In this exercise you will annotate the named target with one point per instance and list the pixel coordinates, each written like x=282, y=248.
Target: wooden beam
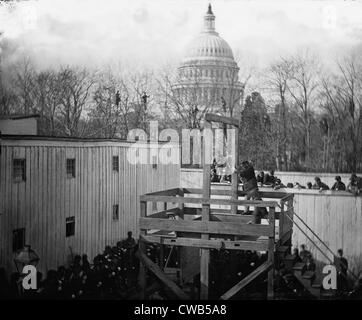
x=287, y=197
x=168, y=192
x=181, y=205
x=165, y=213
x=205, y=253
x=281, y=220
x=210, y=243
x=141, y=249
x=197, y=211
x=257, y=272
x=255, y=203
x=216, y=118
x=211, y=227
x=155, y=269
x=271, y=248
x=286, y=236
x=217, y=214
x=215, y=190
x=235, y=175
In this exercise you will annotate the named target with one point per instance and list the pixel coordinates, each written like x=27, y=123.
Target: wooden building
x=19, y=124
x=67, y=196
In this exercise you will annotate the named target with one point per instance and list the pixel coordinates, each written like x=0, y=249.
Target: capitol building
x=207, y=78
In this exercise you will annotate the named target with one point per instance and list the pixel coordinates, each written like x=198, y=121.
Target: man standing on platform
x=250, y=186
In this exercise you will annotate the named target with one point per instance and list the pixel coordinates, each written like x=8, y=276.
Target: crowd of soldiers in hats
x=112, y=275
x=248, y=177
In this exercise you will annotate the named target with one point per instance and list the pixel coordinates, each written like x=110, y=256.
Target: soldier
x=355, y=185
x=269, y=178
x=342, y=264
x=338, y=185
x=319, y=184
x=250, y=185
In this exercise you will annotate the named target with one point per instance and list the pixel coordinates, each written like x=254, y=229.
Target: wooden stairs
x=310, y=280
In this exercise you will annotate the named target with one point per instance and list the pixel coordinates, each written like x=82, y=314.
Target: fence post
x=281, y=222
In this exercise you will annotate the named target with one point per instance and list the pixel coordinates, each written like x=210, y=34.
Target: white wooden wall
x=42, y=203
x=336, y=219
x=335, y=216
x=303, y=177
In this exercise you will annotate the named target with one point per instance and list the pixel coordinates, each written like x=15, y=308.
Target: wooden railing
x=185, y=225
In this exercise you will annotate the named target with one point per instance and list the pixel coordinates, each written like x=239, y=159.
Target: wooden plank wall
x=42, y=203
x=337, y=220
x=335, y=216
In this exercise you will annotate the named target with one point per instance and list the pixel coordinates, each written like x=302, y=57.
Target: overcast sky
x=150, y=33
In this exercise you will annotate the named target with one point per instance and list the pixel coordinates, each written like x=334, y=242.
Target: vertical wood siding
x=337, y=220
x=42, y=203
x=335, y=216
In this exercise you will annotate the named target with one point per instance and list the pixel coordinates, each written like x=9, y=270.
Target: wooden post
x=162, y=254
x=290, y=205
x=181, y=205
x=281, y=222
x=271, y=253
x=205, y=253
x=142, y=249
x=235, y=176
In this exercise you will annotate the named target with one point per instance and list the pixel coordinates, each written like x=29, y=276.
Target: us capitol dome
x=208, y=73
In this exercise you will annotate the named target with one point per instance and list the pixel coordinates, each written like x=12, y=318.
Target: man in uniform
x=355, y=185
x=250, y=185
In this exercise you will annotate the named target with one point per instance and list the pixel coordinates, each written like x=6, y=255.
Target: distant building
x=19, y=124
x=208, y=74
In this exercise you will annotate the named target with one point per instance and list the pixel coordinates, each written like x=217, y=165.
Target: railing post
x=271, y=245
x=281, y=222
x=205, y=253
x=181, y=205
x=142, y=249
x=290, y=206
x=235, y=175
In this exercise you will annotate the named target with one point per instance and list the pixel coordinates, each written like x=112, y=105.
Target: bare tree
x=341, y=94
x=47, y=88
x=121, y=101
x=23, y=83
x=303, y=88
x=76, y=87
x=278, y=77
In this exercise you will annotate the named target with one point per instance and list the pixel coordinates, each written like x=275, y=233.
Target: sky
x=153, y=33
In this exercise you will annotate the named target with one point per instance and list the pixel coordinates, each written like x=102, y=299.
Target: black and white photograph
x=199, y=151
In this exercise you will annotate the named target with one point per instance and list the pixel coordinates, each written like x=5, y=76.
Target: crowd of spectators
x=220, y=174
x=112, y=275
x=288, y=284
x=354, y=186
